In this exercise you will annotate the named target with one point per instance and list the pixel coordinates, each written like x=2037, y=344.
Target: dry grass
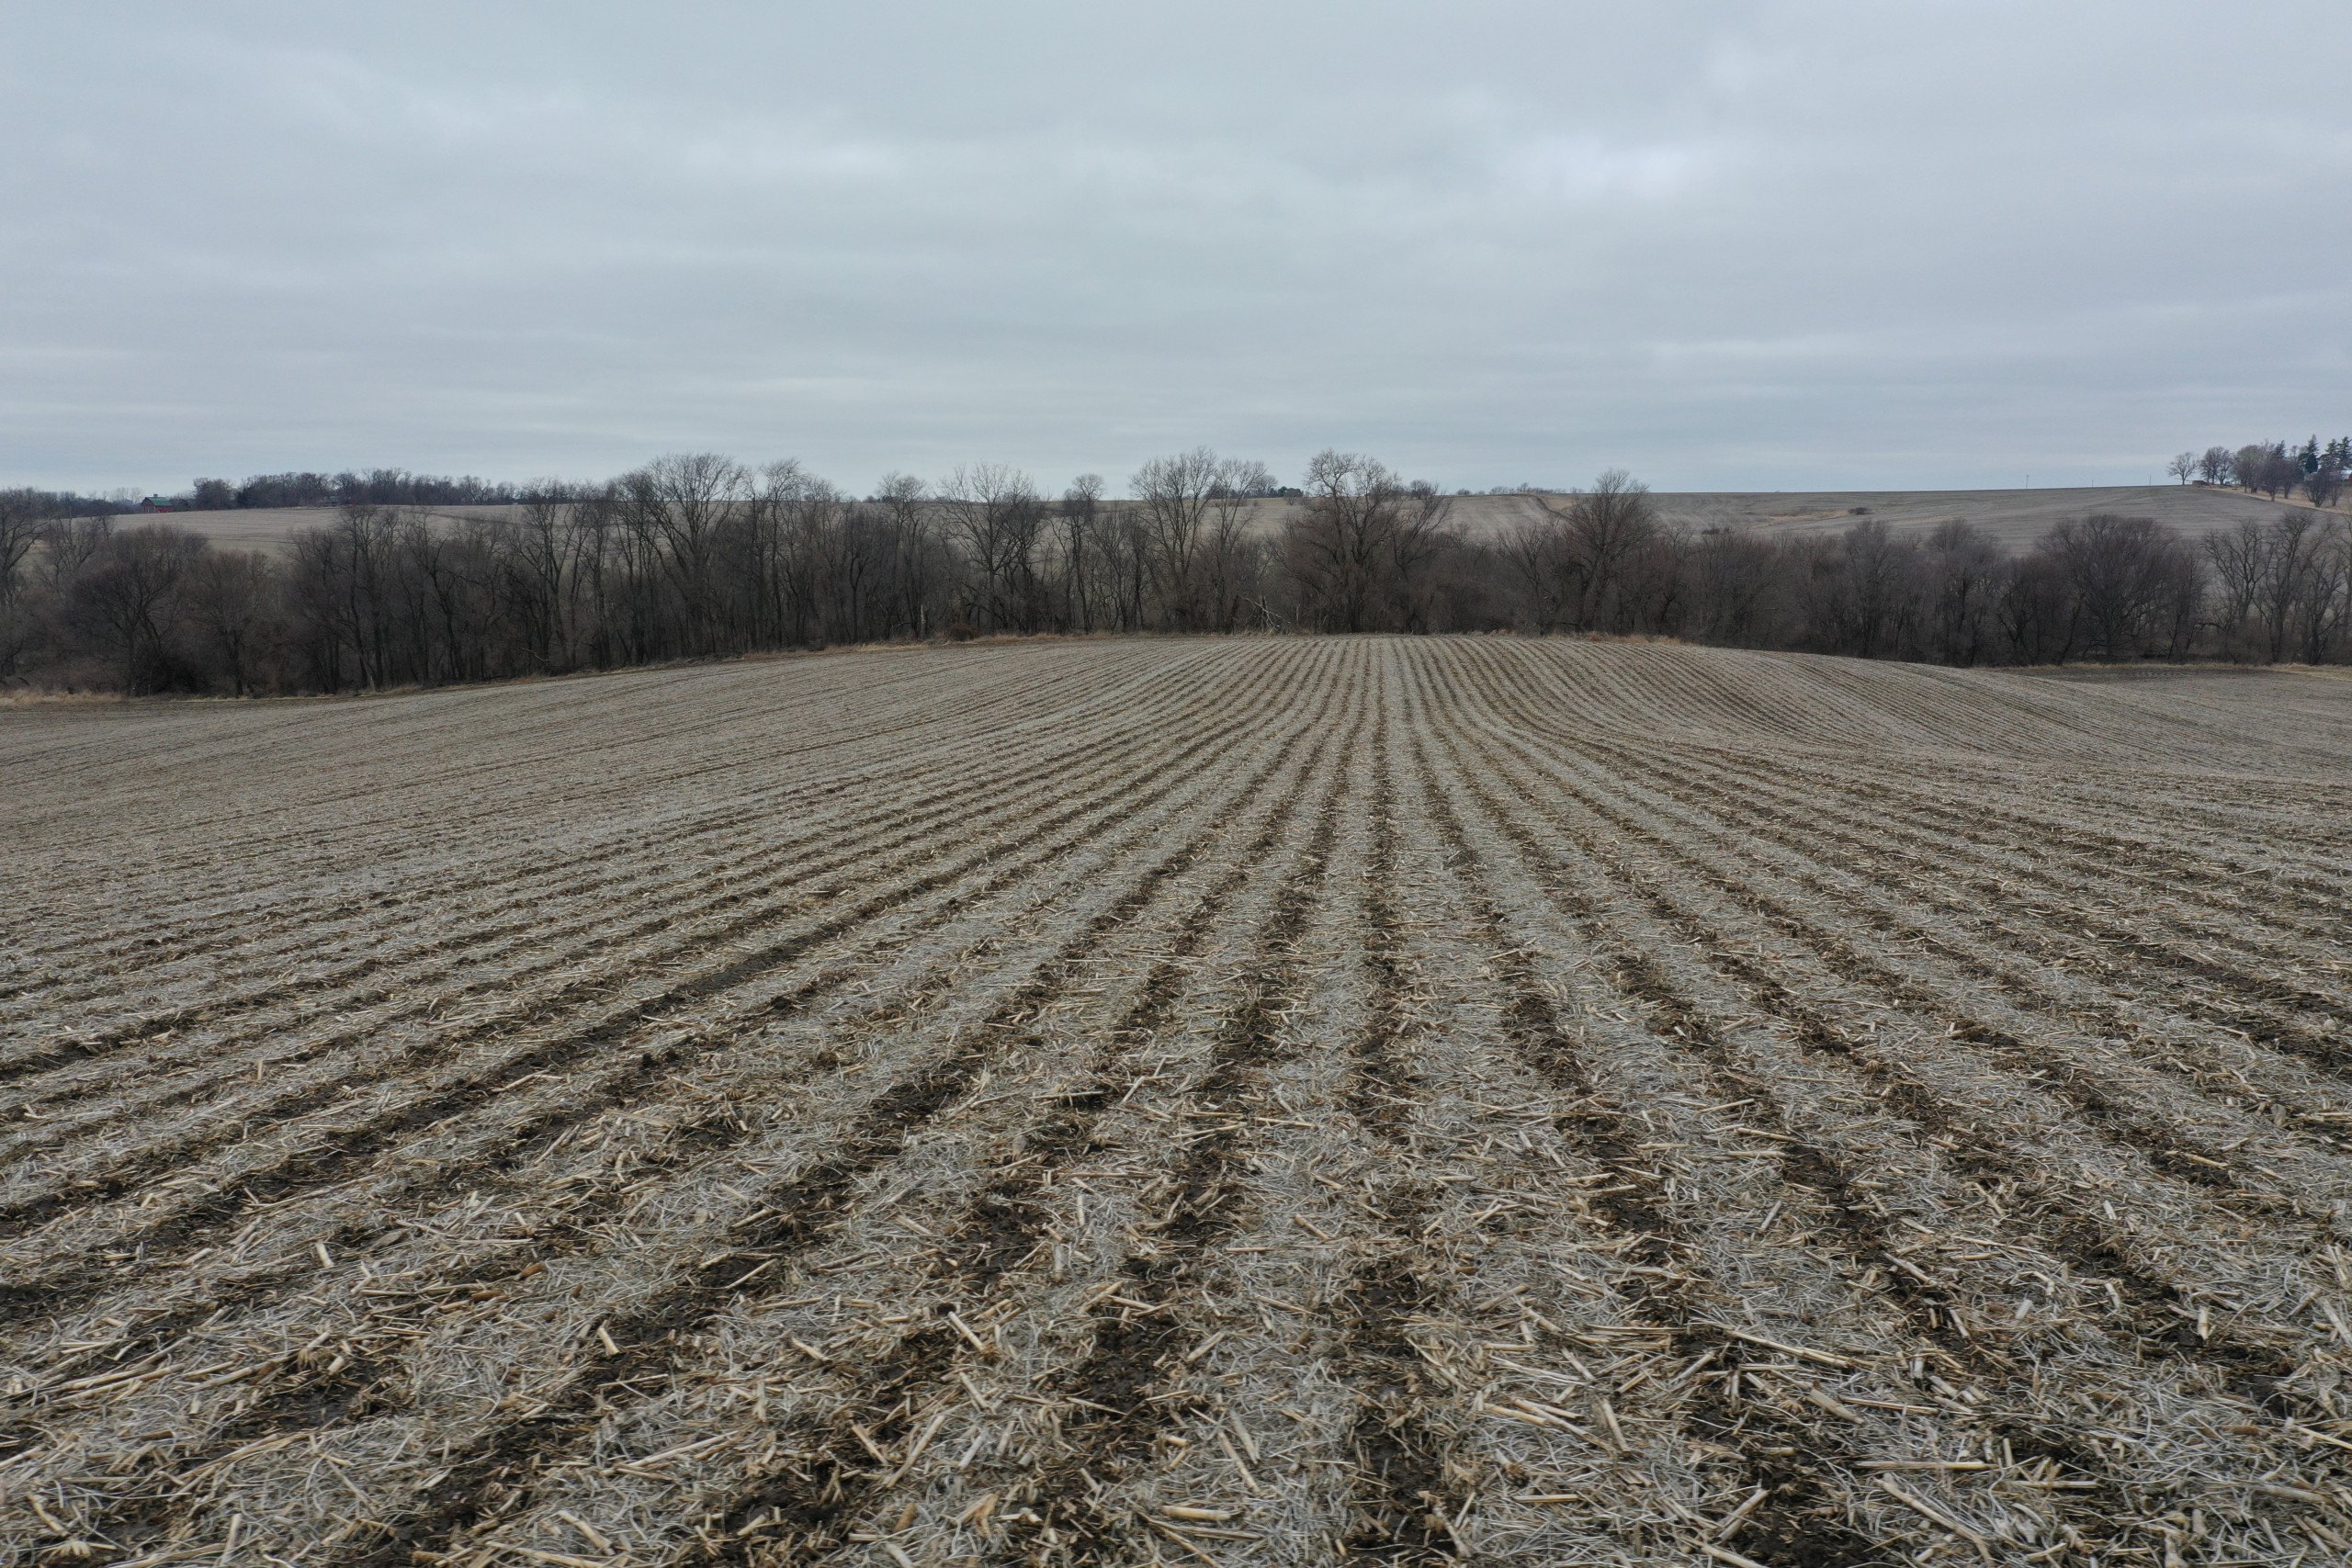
x=1247, y=1102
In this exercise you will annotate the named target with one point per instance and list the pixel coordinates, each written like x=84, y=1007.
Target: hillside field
x=1250, y=1101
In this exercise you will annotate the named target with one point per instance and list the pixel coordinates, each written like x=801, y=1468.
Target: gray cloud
x=1728, y=245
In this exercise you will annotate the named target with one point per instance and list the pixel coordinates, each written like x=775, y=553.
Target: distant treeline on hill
x=376, y=487
x=697, y=557
x=2274, y=469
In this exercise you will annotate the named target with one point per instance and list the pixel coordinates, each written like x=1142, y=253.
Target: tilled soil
x=1248, y=1101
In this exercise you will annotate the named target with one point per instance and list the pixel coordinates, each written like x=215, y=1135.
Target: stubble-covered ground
x=1251, y=1100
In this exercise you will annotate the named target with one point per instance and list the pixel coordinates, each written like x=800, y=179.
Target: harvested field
x=1244, y=1102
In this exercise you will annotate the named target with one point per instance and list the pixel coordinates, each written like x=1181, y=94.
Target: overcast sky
x=1880, y=244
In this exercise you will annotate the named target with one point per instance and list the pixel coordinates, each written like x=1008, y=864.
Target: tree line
x=2273, y=468
x=698, y=556
x=376, y=487
x=304, y=487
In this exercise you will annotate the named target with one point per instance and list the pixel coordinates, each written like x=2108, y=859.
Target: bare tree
x=783, y=543
x=1607, y=531
x=1964, y=569
x=68, y=545
x=592, y=523
x=909, y=518
x=2136, y=584
x=1738, y=582
x=2213, y=465
x=2295, y=543
x=1173, y=496
x=840, y=573
x=2280, y=475
x=677, y=506
x=699, y=556
x=1080, y=516
x=1234, y=555
x=2248, y=463
x=21, y=521
x=131, y=602
x=454, y=570
x=2183, y=467
x=860, y=597
x=21, y=530
x=343, y=594
x=233, y=601
x=1534, y=550
x=2238, y=561
x=2037, y=614
x=1124, y=551
x=544, y=553
x=995, y=514
x=1415, y=541
x=1338, y=544
x=2325, y=609
x=1879, y=586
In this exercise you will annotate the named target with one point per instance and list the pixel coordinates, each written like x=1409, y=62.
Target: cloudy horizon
x=1726, y=246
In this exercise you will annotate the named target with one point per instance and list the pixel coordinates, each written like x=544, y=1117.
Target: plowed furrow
x=1139, y=1337
x=799, y=1218
x=1806, y=1172
x=1830, y=1188
x=2057, y=984
x=1405, y=1492
x=347, y=849
x=623, y=1079
x=436, y=868
x=1801, y=1518
x=1811, y=1503
x=907, y=808
x=2236, y=855
x=1991, y=831
x=1970, y=904
x=2260, y=1362
x=1261, y=1100
x=807, y=1199
x=2188, y=1134
x=311, y=1165
x=1001, y=1253
x=1866, y=981
x=909, y=840
x=2227, y=951
x=1996, y=805
x=1853, y=954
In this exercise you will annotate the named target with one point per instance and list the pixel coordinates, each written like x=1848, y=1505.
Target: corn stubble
x=1239, y=1102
